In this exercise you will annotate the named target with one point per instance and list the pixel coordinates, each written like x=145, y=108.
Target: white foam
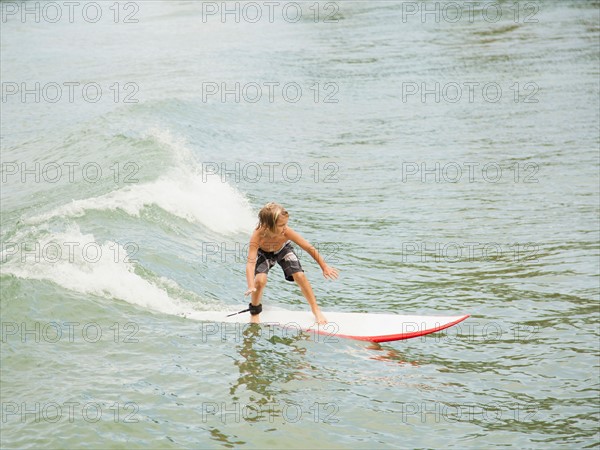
x=102, y=270
x=182, y=191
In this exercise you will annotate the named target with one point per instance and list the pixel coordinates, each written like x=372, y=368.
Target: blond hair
x=268, y=215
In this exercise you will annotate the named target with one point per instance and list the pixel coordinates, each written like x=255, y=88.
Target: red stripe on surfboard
x=397, y=337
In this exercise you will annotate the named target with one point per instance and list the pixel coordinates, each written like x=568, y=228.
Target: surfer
x=270, y=243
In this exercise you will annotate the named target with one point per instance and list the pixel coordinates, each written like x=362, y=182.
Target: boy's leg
x=260, y=281
x=292, y=269
x=302, y=281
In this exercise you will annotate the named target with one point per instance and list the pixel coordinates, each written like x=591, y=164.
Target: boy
x=270, y=244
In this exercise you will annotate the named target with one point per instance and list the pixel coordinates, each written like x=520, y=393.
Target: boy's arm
x=328, y=272
x=251, y=262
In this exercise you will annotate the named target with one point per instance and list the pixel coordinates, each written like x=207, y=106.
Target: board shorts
x=285, y=257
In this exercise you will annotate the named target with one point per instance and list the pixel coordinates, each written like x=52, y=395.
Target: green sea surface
x=444, y=164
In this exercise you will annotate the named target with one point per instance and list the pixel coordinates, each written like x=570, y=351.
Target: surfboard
x=371, y=327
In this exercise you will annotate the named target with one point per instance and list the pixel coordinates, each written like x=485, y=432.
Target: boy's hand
x=249, y=291
x=330, y=273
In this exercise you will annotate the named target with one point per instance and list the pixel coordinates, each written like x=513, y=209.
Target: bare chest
x=271, y=243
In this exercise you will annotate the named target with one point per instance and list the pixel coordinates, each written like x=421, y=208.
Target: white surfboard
x=362, y=326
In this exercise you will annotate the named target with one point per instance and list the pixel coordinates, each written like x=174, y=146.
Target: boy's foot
x=320, y=318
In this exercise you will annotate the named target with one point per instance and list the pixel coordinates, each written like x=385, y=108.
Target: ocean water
x=444, y=156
